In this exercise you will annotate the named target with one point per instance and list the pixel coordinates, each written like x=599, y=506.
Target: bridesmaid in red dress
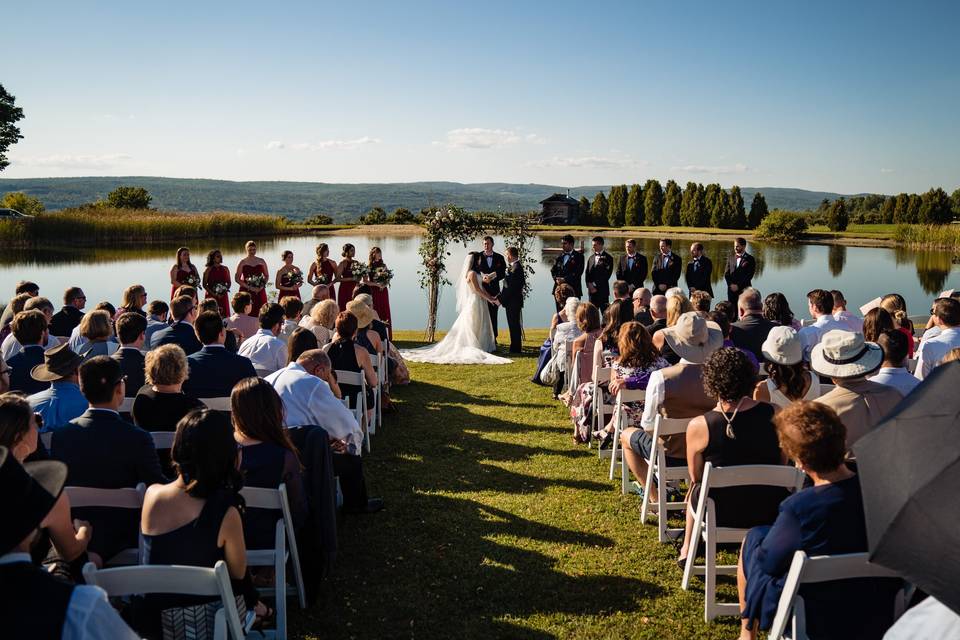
x=289, y=278
x=345, y=276
x=323, y=270
x=183, y=271
x=380, y=292
x=249, y=267
x=217, y=276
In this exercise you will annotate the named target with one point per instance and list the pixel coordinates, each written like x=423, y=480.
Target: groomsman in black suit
x=632, y=267
x=666, y=268
x=494, y=269
x=739, y=272
x=568, y=268
x=699, y=271
x=598, y=270
x=511, y=298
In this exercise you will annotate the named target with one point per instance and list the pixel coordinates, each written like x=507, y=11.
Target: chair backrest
x=217, y=404
x=602, y=374
x=826, y=388
x=355, y=378
x=631, y=395
x=768, y=475
x=807, y=323
x=163, y=439
x=125, y=498
x=47, y=439
x=670, y=426
x=126, y=406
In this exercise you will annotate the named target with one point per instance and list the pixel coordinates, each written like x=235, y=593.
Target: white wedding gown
x=470, y=339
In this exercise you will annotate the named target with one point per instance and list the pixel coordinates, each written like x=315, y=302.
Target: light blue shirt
x=59, y=404
x=896, y=377
x=933, y=350
x=154, y=324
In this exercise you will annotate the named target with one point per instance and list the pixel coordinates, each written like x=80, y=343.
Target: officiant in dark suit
x=511, y=298
x=699, y=271
x=666, y=267
x=739, y=272
x=568, y=269
x=632, y=267
x=493, y=268
x=597, y=274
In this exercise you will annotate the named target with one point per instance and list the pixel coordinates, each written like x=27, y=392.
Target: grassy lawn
x=498, y=526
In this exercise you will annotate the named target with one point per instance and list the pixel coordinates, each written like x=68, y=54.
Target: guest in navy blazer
x=130, y=331
x=214, y=370
x=181, y=332
x=30, y=329
x=104, y=451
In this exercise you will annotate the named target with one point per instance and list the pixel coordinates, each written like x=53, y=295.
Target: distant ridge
x=340, y=201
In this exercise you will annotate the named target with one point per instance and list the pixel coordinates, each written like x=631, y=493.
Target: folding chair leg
x=616, y=445
x=692, y=551
x=645, y=507
x=624, y=473
x=710, y=579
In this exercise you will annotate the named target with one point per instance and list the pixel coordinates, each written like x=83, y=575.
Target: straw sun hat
x=363, y=313
x=844, y=354
x=693, y=338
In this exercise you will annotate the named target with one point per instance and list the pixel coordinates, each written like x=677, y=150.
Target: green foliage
x=688, y=214
x=886, y=211
x=616, y=206
x=945, y=236
x=376, y=215
x=671, y=204
x=598, y=210
x=955, y=201
x=900, y=215
x=129, y=198
x=713, y=204
x=935, y=207
x=737, y=213
x=319, y=220
x=837, y=218
x=652, y=203
x=402, y=215
x=23, y=203
x=10, y=114
x=913, y=209
x=782, y=226
x=758, y=211
x=633, y=216
x=585, y=216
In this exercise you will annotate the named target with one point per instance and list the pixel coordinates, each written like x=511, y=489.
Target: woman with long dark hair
x=777, y=309
x=379, y=289
x=216, y=281
x=323, y=270
x=183, y=272
x=345, y=276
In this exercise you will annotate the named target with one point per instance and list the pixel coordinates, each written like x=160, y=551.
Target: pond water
x=861, y=273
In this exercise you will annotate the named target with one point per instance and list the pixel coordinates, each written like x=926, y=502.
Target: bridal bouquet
x=293, y=279
x=255, y=280
x=193, y=280
x=382, y=276
x=322, y=279
x=219, y=288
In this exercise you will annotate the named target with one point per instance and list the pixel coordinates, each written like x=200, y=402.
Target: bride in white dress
x=470, y=339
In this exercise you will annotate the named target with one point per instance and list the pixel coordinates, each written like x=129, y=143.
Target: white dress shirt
x=11, y=346
x=853, y=322
x=929, y=619
x=896, y=377
x=932, y=351
x=289, y=326
x=308, y=400
x=267, y=352
x=811, y=336
x=653, y=400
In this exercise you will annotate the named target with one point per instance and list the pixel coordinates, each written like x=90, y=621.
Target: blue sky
x=844, y=97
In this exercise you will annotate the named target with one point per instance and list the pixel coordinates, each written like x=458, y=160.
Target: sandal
x=266, y=619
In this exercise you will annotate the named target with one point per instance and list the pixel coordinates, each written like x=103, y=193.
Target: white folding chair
x=47, y=439
x=826, y=388
x=357, y=379
x=619, y=419
x=705, y=526
x=659, y=472
x=193, y=581
x=600, y=409
x=807, y=570
x=217, y=404
x=573, y=375
x=125, y=498
x=374, y=422
x=126, y=406
x=807, y=323
x=910, y=364
x=163, y=440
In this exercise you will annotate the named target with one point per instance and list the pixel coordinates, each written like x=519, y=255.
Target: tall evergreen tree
x=617, y=206
x=652, y=203
x=900, y=215
x=633, y=216
x=688, y=205
x=837, y=218
x=598, y=210
x=913, y=209
x=886, y=210
x=935, y=207
x=703, y=217
x=585, y=216
x=758, y=210
x=671, y=204
x=955, y=199
x=713, y=205
x=824, y=206
x=738, y=215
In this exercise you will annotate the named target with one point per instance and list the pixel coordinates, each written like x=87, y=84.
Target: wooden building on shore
x=560, y=209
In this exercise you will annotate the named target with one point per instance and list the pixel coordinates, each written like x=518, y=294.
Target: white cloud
x=887, y=170
x=323, y=145
x=591, y=162
x=713, y=169
x=68, y=161
x=480, y=138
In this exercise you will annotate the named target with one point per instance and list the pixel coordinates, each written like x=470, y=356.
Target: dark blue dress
x=821, y=520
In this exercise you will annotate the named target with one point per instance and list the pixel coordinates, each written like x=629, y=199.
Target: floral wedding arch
x=443, y=225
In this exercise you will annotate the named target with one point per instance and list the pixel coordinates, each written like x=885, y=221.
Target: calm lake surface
x=861, y=273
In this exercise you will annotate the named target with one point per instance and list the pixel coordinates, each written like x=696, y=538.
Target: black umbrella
x=910, y=473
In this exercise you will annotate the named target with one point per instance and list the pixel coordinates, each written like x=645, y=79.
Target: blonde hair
x=325, y=313
x=131, y=296
x=677, y=306
x=96, y=325
x=166, y=364
x=249, y=243
x=952, y=355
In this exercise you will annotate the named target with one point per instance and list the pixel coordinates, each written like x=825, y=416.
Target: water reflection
x=836, y=258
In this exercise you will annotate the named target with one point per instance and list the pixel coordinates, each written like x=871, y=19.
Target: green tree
x=913, y=209
x=671, y=204
x=713, y=205
x=617, y=206
x=401, y=215
x=738, y=215
x=935, y=207
x=900, y=215
x=319, y=220
x=837, y=217
x=376, y=215
x=598, y=210
x=703, y=218
x=633, y=216
x=824, y=206
x=652, y=203
x=688, y=214
x=23, y=203
x=129, y=198
x=758, y=210
x=10, y=114
x=886, y=210
x=955, y=199
x=585, y=216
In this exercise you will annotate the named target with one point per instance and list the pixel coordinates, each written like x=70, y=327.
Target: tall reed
x=946, y=236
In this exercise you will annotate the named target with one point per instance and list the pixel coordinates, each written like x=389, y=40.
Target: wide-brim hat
x=363, y=313
x=782, y=346
x=58, y=363
x=693, y=338
x=27, y=494
x=844, y=354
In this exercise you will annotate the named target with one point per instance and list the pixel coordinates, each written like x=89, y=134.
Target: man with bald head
x=321, y=292
x=658, y=311
x=641, y=306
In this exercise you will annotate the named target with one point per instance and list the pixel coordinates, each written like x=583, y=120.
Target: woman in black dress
x=346, y=355
x=160, y=404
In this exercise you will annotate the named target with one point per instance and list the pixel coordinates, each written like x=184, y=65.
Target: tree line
x=932, y=207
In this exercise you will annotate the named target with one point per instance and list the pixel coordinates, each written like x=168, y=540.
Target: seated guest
x=788, y=379
x=161, y=403
x=896, y=306
x=726, y=308
x=621, y=290
x=11, y=346
x=266, y=351
x=840, y=313
x=130, y=331
x=777, y=310
x=301, y=340
x=641, y=306
x=945, y=317
x=848, y=360
x=292, y=310
x=658, y=311
x=307, y=400
x=726, y=329
x=700, y=301
x=195, y=520
x=78, y=339
x=321, y=319
x=563, y=336
x=321, y=292
x=134, y=297
x=65, y=320
x=567, y=292
x=677, y=305
x=366, y=336
x=30, y=329
x=230, y=342
x=62, y=401
x=588, y=321
x=750, y=331
x=241, y=320
x=346, y=355
x=104, y=451
x=824, y=519
x=190, y=292
x=738, y=431
x=13, y=308
x=820, y=305
x=892, y=372
x=25, y=289
x=181, y=332
x=213, y=371
x=377, y=325
x=269, y=458
x=96, y=328
x=876, y=322
x=157, y=312
x=29, y=496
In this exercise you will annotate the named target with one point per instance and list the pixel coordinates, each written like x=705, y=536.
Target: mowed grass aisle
x=497, y=526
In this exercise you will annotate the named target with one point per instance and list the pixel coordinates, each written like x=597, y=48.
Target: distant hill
x=340, y=201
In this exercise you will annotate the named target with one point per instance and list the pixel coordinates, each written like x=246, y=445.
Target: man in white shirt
x=11, y=346
x=946, y=317
x=266, y=351
x=892, y=372
x=851, y=321
x=820, y=305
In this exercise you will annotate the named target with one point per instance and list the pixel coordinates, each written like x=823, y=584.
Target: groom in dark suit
x=493, y=268
x=511, y=298
x=739, y=272
x=597, y=273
